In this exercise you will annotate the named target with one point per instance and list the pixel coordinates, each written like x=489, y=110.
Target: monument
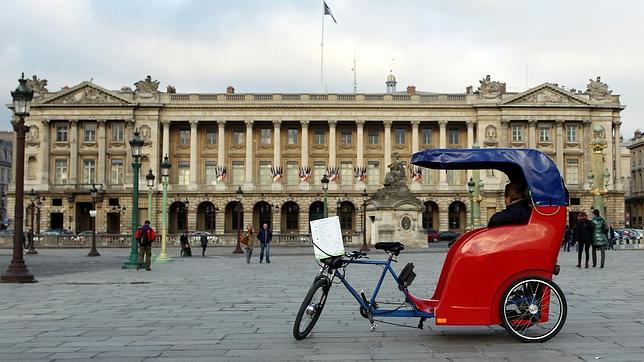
x=396, y=212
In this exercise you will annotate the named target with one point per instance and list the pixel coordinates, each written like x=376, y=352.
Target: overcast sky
x=274, y=46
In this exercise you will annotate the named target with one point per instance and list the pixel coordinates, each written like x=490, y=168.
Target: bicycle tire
x=311, y=308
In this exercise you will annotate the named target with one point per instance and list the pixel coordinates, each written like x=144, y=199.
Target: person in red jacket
x=145, y=236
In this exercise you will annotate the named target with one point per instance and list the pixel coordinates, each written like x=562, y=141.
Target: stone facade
x=6, y=157
x=635, y=194
x=276, y=147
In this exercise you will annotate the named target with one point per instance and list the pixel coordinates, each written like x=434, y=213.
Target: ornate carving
x=490, y=89
x=598, y=89
x=546, y=96
x=332, y=123
x=277, y=123
x=395, y=190
x=126, y=89
x=32, y=135
x=304, y=123
x=532, y=123
x=147, y=85
x=387, y=123
x=559, y=123
x=490, y=132
x=88, y=95
x=221, y=123
x=360, y=122
x=171, y=89
x=248, y=122
x=39, y=86
x=145, y=133
x=442, y=123
x=415, y=123
x=470, y=123
x=194, y=123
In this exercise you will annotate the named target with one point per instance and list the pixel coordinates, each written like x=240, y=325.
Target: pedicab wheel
x=311, y=308
x=533, y=309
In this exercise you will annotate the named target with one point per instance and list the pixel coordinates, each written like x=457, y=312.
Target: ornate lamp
x=150, y=179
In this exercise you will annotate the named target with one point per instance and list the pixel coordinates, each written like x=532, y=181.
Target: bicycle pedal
x=373, y=327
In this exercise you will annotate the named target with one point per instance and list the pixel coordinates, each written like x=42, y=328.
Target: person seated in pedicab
x=185, y=245
x=517, y=207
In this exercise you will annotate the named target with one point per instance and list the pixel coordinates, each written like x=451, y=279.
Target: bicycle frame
x=376, y=312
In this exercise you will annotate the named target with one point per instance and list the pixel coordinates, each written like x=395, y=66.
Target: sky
x=274, y=46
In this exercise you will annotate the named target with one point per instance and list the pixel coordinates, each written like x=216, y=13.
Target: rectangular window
x=265, y=176
x=118, y=131
x=319, y=169
x=292, y=176
x=400, y=136
x=211, y=172
x=265, y=136
x=211, y=136
x=116, y=172
x=373, y=135
x=291, y=136
x=544, y=133
x=90, y=133
x=452, y=136
x=454, y=177
x=426, y=134
x=571, y=133
x=238, y=173
x=184, y=136
x=427, y=176
x=61, y=172
x=346, y=137
x=89, y=171
x=373, y=173
x=238, y=137
x=346, y=173
x=319, y=136
x=517, y=133
x=61, y=133
x=184, y=173
x=572, y=171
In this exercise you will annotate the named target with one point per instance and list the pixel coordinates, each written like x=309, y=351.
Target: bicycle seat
x=393, y=247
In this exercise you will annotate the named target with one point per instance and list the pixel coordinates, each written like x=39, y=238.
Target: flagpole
x=322, y=49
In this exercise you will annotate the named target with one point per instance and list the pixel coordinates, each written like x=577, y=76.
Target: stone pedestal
x=402, y=223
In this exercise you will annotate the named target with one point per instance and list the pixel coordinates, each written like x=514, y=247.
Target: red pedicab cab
x=503, y=275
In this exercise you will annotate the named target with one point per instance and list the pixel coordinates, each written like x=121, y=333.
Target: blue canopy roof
x=525, y=166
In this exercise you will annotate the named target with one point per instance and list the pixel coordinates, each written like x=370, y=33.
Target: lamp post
x=365, y=197
x=470, y=189
x=239, y=194
x=165, y=175
x=33, y=197
x=149, y=178
x=17, y=272
x=135, y=143
x=94, y=192
x=186, y=207
x=325, y=187
x=38, y=206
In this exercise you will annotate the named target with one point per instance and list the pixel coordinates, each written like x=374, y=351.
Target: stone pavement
x=219, y=308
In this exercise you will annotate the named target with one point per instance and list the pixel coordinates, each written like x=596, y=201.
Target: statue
x=395, y=190
x=39, y=86
x=147, y=85
x=598, y=89
x=171, y=89
x=490, y=89
x=396, y=176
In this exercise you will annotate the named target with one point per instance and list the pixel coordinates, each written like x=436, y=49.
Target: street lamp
x=165, y=175
x=33, y=197
x=325, y=187
x=149, y=178
x=365, y=197
x=136, y=143
x=212, y=212
x=470, y=189
x=17, y=272
x=239, y=194
x=94, y=192
x=186, y=205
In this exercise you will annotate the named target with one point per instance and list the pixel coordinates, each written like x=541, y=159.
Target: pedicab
x=491, y=276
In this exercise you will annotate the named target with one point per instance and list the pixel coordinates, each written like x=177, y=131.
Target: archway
x=290, y=217
x=457, y=215
x=316, y=211
x=430, y=215
x=231, y=221
x=178, y=218
x=262, y=214
x=347, y=213
x=206, y=213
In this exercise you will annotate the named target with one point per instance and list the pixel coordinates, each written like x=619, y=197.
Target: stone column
x=532, y=133
x=194, y=157
x=248, y=185
x=442, y=143
x=128, y=172
x=332, y=123
x=559, y=124
x=305, y=152
x=415, y=185
x=617, y=123
x=359, y=150
x=277, y=150
x=387, y=143
x=102, y=152
x=44, y=154
x=470, y=143
x=503, y=133
x=166, y=139
x=73, y=152
x=221, y=160
x=585, y=140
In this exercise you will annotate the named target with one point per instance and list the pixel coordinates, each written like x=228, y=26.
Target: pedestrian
x=600, y=241
x=248, y=240
x=611, y=237
x=185, y=245
x=145, y=236
x=567, y=238
x=582, y=234
x=204, y=244
x=265, y=236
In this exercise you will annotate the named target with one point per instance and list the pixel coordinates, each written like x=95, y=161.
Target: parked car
x=448, y=235
x=635, y=235
x=83, y=236
x=195, y=237
x=433, y=236
x=56, y=232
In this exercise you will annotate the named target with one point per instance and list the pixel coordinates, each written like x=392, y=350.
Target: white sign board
x=92, y=213
x=327, y=237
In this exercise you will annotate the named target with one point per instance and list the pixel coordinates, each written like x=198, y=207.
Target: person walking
x=145, y=236
x=248, y=240
x=265, y=236
x=600, y=241
x=582, y=234
x=204, y=244
x=567, y=238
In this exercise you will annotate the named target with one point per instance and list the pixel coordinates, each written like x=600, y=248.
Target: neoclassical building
x=635, y=196
x=277, y=147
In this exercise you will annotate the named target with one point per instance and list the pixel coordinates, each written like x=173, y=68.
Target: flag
x=327, y=11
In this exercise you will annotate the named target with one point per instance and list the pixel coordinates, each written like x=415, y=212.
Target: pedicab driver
x=517, y=207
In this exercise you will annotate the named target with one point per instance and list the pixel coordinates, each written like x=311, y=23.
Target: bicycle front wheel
x=311, y=308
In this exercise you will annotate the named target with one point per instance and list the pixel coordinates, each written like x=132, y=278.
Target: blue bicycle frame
x=375, y=312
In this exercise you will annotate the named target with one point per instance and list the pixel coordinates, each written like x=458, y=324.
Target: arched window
x=430, y=215
x=32, y=164
x=346, y=213
x=457, y=215
x=291, y=217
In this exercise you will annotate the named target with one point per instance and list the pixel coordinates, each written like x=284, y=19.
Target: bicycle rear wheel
x=311, y=308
